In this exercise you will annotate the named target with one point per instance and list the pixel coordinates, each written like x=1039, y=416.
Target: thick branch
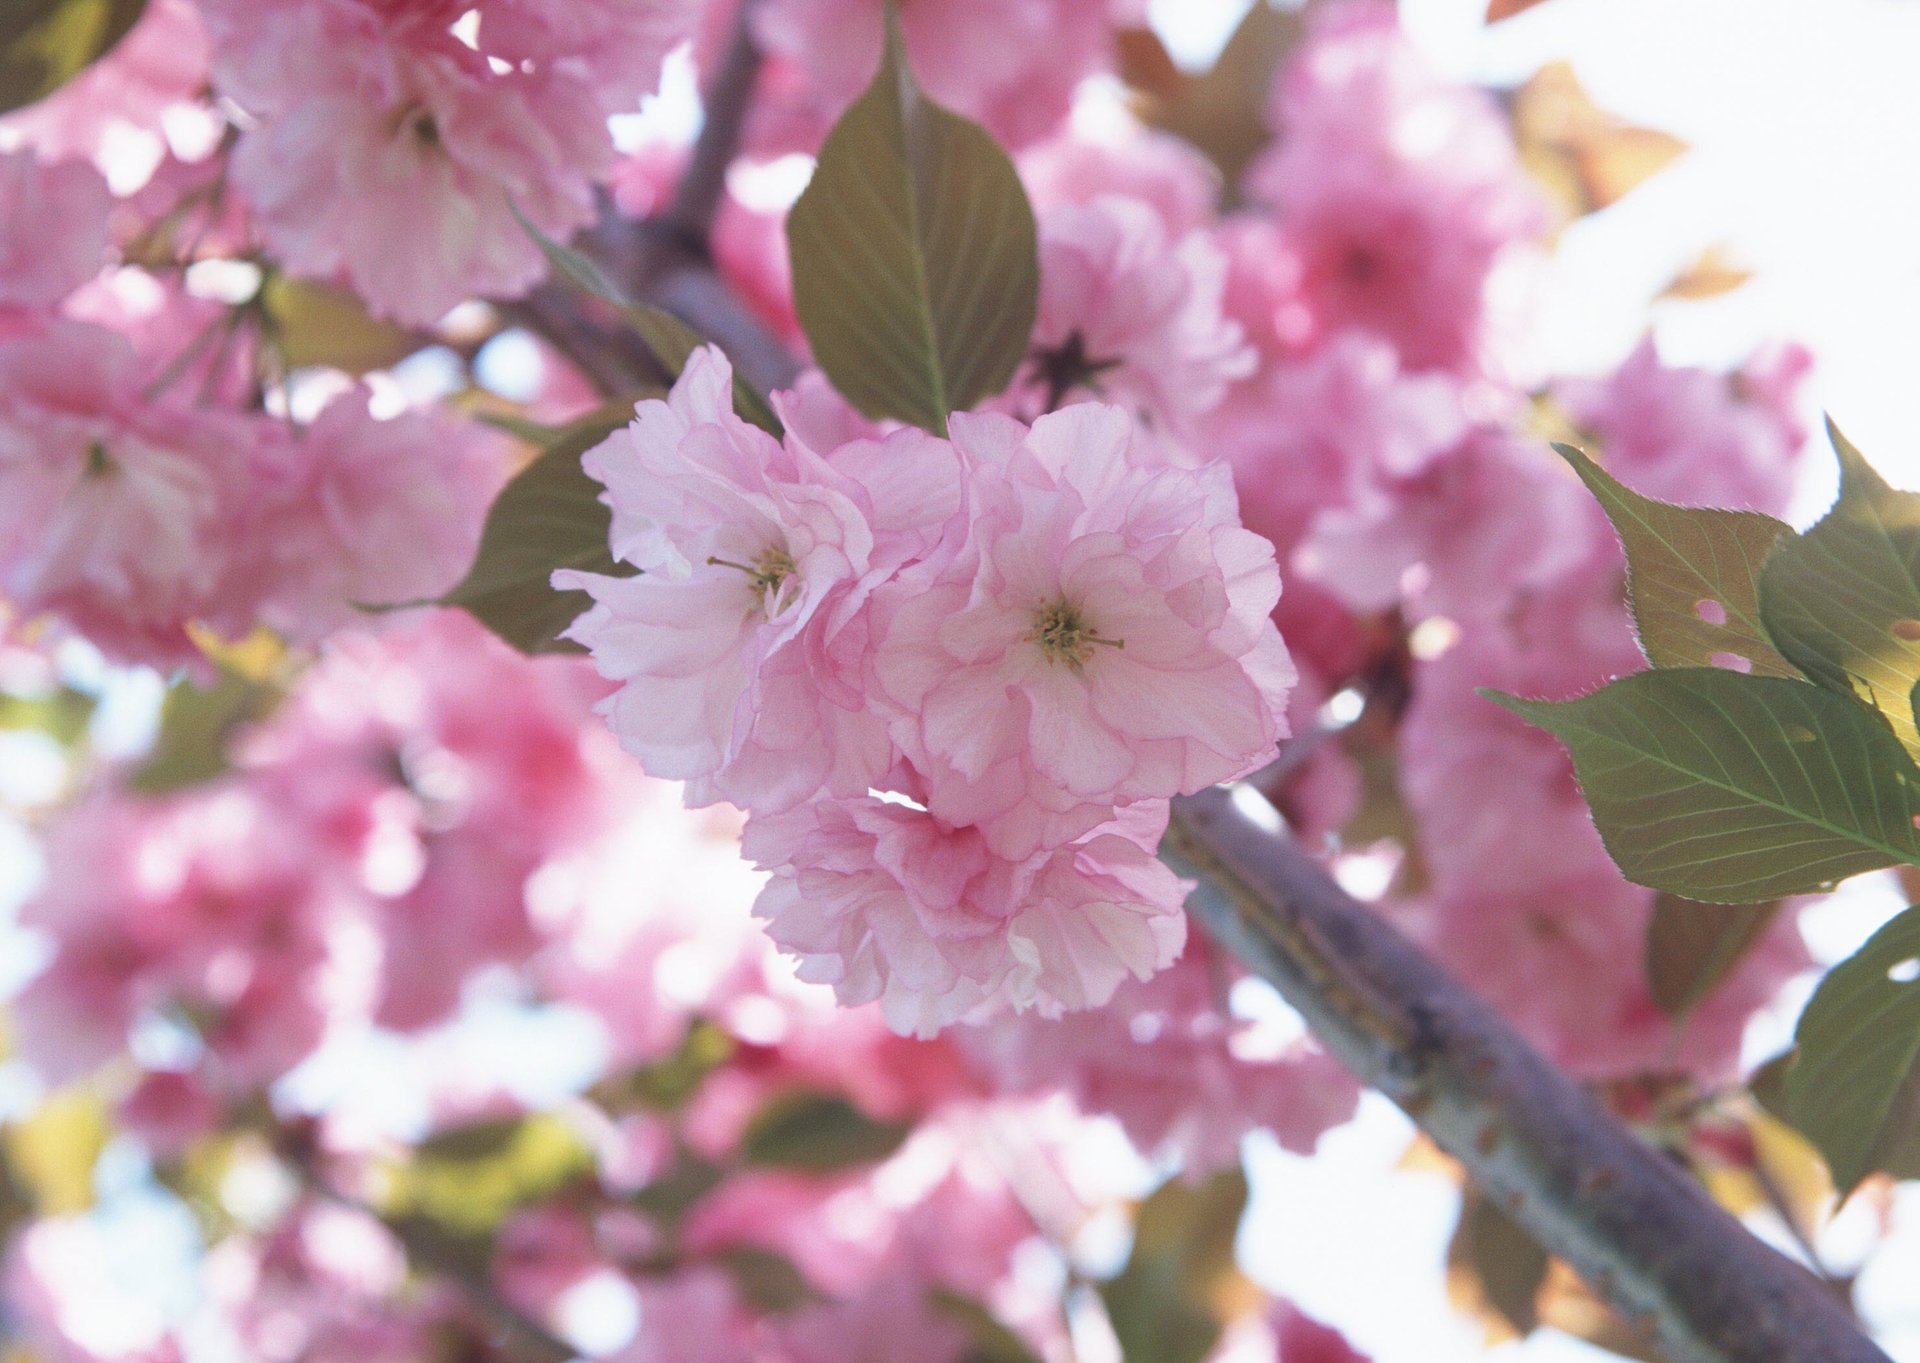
x=1630, y=1221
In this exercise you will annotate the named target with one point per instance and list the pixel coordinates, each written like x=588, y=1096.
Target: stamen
x=1064, y=636
x=769, y=574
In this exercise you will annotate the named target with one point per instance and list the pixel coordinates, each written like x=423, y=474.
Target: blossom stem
x=1630, y=1221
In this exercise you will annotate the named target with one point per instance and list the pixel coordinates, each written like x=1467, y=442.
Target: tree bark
x=1635, y=1226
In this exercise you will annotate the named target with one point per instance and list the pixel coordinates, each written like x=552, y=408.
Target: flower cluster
x=953, y=682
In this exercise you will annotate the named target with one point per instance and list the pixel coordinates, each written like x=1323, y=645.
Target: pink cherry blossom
x=1693, y=436
x=393, y=154
x=886, y=902
x=119, y=515
x=1131, y=314
x=1099, y=637
x=739, y=645
x=371, y=511
x=1398, y=194
x=56, y=238
x=1131, y=161
x=1180, y=1073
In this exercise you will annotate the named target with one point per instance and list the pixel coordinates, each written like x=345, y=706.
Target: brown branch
x=1632, y=1224
x=724, y=104
x=1629, y=1220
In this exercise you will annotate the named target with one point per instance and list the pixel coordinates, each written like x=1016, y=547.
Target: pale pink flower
x=739, y=645
x=1398, y=193
x=393, y=154
x=1132, y=314
x=1166, y=172
x=118, y=515
x=1180, y=1073
x=371, y=511
x=1495, y=515
x=1694, y=436
x=886, y=902
x=1099, y=637
x=56, y=236
x=1328, y=430
x=210, y=907
x=441, y=770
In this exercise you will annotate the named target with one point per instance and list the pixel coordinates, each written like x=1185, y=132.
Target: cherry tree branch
x=1631, y=1222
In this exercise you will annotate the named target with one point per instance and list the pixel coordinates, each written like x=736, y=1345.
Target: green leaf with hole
x=46, y=43
x=1843, y=600
x=1691, y=947
x=820, y=1133
x=1180, y=1285
x=915, y=268
x=1735, y=789
x=670, y=339
x=1693, y=574
x=549, y=516
x=1853, y=1085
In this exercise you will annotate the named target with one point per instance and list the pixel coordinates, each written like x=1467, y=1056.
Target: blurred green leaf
x=196, y=724
x=769, y=1282
x=1682, y=560
x=668, y=1083
x=818, y=1132
x=1843, y=600
x=548, y=516
x=471, y=1178
x=46, y=43
x=62, y=714
x=1495, y=1269
x=1223, y=112
x=319, y=324
x=1735, y=789
x=1692, y=947
x=1180, y=1286
x=1853, y=1086
x=915, y=266
x=989, y=1340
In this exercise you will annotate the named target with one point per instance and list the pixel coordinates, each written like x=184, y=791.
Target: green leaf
x=818, y=1132
x=471, y=1178
x=62, y=714
x=1693, y=574
x=989, y=1340
x=1735, y=789
x=1854, y=1084
x=770, y=1283
x=1180, y=1285
x=196, y=724
x=46, y=43
x=1692, y=947
x=549, y=516
x=1843, y=600
x=915, y=268
x=1224, y=113
x=670, y=339
x=319, y=324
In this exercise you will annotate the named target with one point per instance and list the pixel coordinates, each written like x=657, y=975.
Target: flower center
x=1064, y=635
x=768, y=574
